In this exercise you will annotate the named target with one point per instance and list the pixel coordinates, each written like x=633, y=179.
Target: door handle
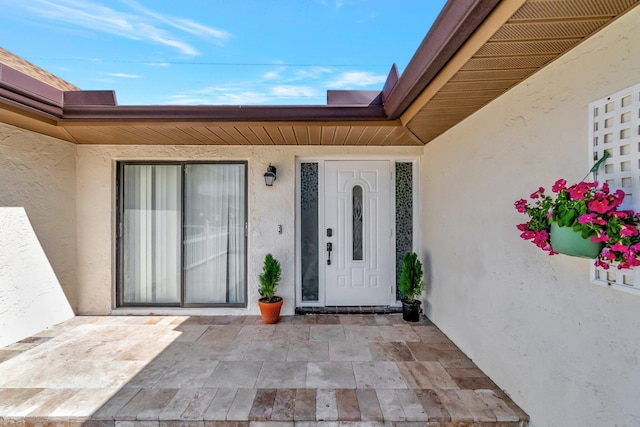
x=329, y=249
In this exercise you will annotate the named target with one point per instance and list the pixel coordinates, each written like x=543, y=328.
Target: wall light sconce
x=270, y=175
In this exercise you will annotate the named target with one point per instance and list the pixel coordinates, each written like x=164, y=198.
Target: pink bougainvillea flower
x=600, y=206
x=559, y=185
x=617, y=198
x=528, y=235
x=602, y=237
x=537, y=193
x=628, y=231
x=608, y=254
x=619, y=247
x=523, y=227
x=587, y=218
x=521, y=205
x=602, y=264
x=541, y=239
x=578, y=191
x=619, y=214
x=591, y=219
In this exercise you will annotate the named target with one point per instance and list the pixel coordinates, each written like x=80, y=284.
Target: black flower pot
x=411, y=311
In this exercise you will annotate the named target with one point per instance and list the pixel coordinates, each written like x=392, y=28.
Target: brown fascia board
x=453, y=26
x=354, y=97
x=89, y=97
x=364, y=97
x=390, y=83
x=21, y=90
x=251, y=113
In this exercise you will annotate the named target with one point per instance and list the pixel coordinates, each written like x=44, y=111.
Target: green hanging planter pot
x=566, y=241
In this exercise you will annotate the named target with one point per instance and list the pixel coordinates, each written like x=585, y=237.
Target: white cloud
x=187, y=100
x=206, y=97
x=357, y=78
x=312, y=72
x=271, y=75
x=124, y=75
x=146, y=26
x=242, y=98
x=292, y=74
x=186, y=25
x=294, y=92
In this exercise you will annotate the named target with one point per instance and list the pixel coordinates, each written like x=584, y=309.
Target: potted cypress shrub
x=270, y=304
x=410, y=286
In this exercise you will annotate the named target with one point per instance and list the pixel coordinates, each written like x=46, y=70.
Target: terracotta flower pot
x=270, y=310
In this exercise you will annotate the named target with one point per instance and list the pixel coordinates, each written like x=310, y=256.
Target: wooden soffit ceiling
x=516, y=40
x=242, y=133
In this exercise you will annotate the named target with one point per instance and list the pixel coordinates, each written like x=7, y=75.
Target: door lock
x=329, y=249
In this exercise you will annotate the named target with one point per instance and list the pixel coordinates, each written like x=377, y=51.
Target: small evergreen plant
x=271, y=273
x=410, y=283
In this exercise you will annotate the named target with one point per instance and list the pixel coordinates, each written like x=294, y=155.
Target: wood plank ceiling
x=535, y=35
x=268, y=133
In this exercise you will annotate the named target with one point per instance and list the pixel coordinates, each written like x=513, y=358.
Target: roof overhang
x=475, y=51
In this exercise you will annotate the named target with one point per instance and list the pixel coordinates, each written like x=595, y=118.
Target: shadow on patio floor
x=323, y=370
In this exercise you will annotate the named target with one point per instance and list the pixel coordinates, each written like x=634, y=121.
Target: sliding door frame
x=120, y=166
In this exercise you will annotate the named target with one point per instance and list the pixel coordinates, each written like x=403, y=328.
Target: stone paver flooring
x=233, y=371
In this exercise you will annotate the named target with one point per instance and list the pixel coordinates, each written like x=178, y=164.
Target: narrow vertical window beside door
x=357, y=222
x=309, y=231
x=404, y=214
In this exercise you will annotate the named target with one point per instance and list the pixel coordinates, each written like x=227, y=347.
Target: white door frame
x=322, y=239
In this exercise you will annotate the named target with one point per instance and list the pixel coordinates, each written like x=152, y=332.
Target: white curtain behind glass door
x=214, y=230
x=151, y=233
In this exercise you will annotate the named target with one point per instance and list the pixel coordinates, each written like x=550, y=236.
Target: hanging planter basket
x=566, y=241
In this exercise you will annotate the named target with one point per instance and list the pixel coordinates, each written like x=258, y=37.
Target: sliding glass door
x=182, y=238
x=214, y=230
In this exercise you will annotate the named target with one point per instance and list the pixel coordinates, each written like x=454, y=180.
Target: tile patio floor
x=233, y=371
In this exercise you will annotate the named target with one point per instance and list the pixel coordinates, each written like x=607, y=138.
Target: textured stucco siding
x=37, y=232
x=268, y=207
x=566, y=350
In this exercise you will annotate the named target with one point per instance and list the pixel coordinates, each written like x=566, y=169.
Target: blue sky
x=218, y=52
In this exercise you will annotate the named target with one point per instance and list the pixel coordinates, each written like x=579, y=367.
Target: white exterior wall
x=37, y=233
x=567, y=351
x=267, y=207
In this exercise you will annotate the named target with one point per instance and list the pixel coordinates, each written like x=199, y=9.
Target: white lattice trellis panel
x=614, y=123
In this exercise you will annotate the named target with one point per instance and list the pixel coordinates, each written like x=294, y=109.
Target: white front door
x=358, y=206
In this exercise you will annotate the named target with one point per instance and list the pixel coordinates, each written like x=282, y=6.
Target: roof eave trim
x=451, y=29
x=321, y=113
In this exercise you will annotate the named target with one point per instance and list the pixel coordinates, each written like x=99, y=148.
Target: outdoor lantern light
x=270, y=175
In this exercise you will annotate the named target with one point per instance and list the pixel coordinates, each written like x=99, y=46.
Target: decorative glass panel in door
x=309, y=231
x=404, y=215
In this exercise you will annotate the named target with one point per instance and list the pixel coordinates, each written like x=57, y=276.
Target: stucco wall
x=566, y=350
x=37, y=232
x=268, y=207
